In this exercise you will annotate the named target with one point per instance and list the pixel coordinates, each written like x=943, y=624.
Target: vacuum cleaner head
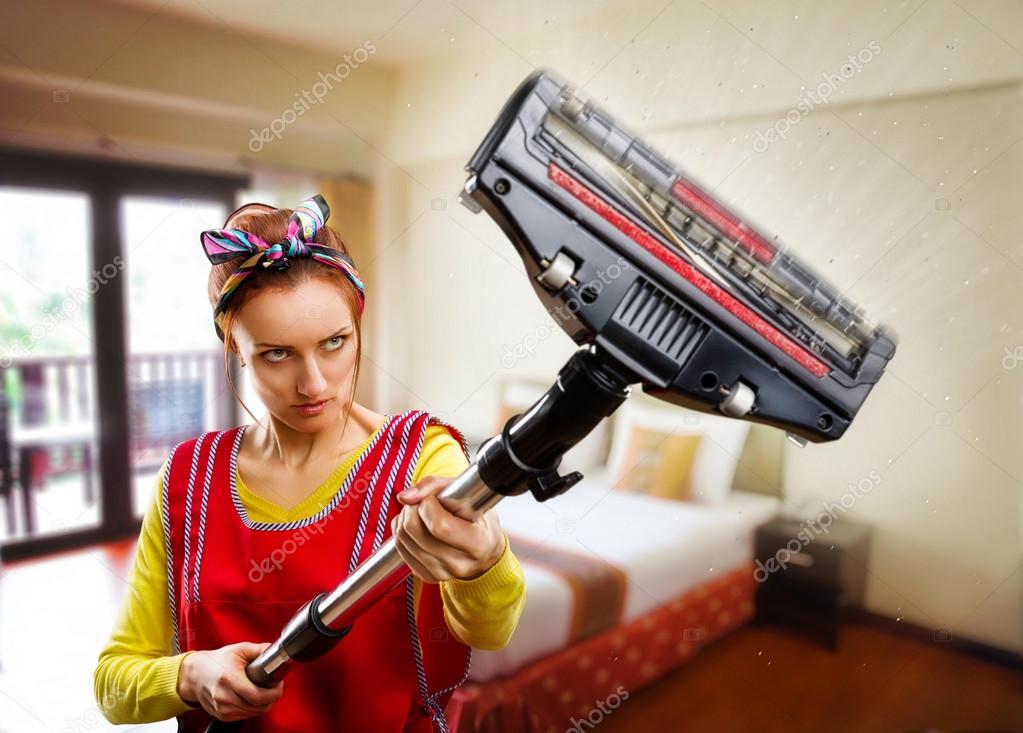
x=629, y=253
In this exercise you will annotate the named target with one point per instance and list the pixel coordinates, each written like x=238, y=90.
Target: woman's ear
x=232, y=347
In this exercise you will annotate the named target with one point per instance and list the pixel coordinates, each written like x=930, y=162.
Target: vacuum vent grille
x=660, y=320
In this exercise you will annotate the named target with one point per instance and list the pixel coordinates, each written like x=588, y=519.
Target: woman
x=248, y=524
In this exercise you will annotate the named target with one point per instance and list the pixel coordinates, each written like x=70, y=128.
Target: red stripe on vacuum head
x=704, y=207
x=641, y=237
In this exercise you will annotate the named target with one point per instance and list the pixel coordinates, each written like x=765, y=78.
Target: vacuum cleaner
x=661, y=285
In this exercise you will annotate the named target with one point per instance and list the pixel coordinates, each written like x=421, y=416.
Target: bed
x=622, y=587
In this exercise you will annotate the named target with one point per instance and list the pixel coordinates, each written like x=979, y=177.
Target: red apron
x=232, y=580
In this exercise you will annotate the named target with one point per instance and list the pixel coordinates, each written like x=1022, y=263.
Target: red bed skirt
x=576, y=687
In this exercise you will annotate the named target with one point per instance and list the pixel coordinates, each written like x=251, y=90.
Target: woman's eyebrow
x=339, y=332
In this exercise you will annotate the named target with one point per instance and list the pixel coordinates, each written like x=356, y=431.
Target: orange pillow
x=658, y=463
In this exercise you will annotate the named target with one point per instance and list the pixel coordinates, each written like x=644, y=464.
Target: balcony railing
x=49, y=420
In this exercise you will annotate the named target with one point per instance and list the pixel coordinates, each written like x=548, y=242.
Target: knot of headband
x=223, y=245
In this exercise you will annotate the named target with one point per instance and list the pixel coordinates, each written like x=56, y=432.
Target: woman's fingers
x=255, y=696
x=437, y=521
x=414, y=523
x=438, y=544
x=411, y=559
x=226, y=704
x=447, y=527
x=252, y=694
x=426, y=486
x=439, y=561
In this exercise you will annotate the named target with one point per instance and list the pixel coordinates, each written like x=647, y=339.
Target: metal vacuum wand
x=524, y=457
x=330, y=615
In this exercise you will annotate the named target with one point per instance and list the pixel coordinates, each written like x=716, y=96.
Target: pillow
x=659, y=464
x=715, y=459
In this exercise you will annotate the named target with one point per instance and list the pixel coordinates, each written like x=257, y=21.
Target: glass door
x=47, y=345
x=108, y=356
x=177, y=384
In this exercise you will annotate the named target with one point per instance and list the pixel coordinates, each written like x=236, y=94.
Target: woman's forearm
x=483, y=612
x=131, y=688
x=135, y=680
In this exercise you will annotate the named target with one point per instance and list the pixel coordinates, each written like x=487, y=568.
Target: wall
x=899, y=190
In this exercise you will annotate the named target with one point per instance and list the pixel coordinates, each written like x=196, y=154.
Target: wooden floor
x=55, y=615
x=763, y=679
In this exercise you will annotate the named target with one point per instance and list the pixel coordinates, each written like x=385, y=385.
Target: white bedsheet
x=664, y=547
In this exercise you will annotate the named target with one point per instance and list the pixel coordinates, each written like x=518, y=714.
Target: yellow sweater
x=135, y=680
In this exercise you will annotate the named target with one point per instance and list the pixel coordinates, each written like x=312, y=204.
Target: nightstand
x=809, y=574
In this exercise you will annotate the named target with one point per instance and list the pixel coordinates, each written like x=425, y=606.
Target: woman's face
x=299, y=346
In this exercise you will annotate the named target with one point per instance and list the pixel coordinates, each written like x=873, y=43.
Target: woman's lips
x=314, y=409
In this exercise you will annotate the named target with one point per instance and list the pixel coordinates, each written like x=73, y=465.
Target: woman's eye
x=278, y=355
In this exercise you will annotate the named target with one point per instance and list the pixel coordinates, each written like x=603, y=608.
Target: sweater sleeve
x=136, y=678
x=482, y=612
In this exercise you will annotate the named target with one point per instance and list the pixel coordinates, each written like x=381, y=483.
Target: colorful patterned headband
x=223, y=245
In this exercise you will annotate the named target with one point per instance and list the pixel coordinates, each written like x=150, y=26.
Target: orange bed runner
x=582, y=683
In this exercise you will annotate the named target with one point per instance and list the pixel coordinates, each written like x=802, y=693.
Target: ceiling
x=413, y=29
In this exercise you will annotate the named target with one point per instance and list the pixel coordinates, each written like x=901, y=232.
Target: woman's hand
x=439, y=545
x=216, y=680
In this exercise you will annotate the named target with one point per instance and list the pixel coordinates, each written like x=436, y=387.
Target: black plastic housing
x=682, y=346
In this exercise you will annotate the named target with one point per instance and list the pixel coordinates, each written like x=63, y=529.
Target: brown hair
x=271, y=225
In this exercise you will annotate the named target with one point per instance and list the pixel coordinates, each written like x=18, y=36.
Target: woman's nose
x=311, y=383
